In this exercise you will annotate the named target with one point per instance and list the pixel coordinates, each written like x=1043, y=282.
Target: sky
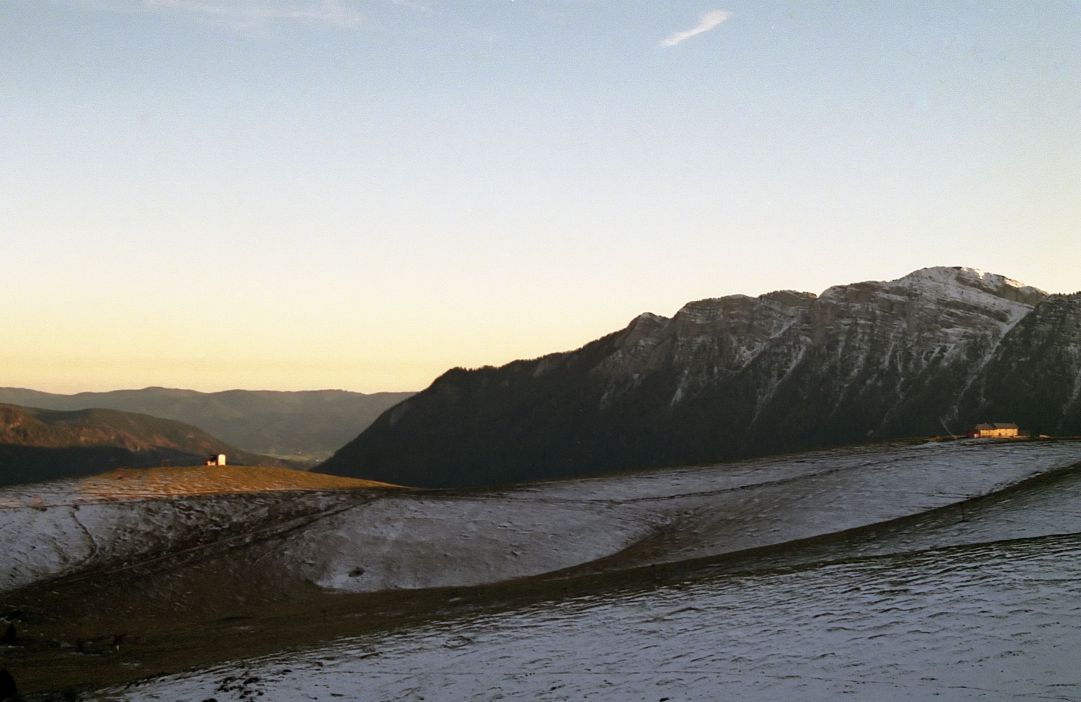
x=303, y=194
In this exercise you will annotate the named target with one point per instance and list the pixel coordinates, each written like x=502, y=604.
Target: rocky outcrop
x=930, y=353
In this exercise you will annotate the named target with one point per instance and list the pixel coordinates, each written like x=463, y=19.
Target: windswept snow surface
x=983, y=604
x=365, y=541
x=984, y=623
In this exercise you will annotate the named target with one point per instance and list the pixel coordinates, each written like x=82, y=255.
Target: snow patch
x=432, y=542
x=364, y=541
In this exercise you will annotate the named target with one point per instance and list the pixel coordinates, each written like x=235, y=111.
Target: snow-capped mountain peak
x=954, y=281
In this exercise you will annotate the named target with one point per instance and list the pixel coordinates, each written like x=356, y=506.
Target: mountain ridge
x=307, y=425
x=740, y=376
x=39, y=444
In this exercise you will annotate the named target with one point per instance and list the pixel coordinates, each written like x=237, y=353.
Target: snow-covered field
x=364, y=541
x=810, y=616
x=67, y=526
x=988, y=622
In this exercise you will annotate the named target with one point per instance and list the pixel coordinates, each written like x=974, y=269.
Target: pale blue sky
x=297, y=194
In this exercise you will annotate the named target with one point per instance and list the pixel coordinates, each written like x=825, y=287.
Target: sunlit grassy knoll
x=208, y=480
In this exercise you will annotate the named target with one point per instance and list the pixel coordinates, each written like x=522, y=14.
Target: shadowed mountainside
x=303, y=425
x=930, y=353
x=38, y=444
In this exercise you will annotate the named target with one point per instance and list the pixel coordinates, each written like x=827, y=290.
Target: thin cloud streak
x=710, y=20
x=414, y=5
x=249, y=14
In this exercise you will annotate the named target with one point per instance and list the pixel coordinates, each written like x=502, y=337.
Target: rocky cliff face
x=930, y=353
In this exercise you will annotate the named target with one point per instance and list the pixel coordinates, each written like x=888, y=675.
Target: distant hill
x=933, y=352
x=37, y=444
x=307, y=425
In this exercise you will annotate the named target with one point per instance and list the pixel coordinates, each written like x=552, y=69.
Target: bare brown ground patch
x=148, y=483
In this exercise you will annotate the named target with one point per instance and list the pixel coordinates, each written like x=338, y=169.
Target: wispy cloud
x=708, y=21
x=257, y=14
x=415, y=5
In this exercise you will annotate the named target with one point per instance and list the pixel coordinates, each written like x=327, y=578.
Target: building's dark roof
x=997, y=425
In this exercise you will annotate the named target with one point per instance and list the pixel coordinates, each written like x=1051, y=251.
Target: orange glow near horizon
x=303, y=204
